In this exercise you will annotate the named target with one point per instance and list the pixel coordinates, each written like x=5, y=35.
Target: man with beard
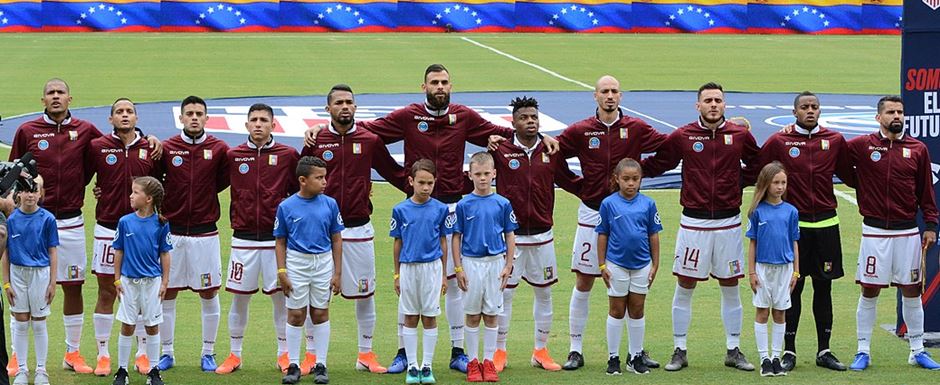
x=709, y=240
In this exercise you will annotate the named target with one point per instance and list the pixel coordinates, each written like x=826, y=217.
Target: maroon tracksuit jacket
x=260, y=178
x=194, y=172
x=116, y=166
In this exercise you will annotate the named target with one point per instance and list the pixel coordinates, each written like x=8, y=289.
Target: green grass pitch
x=153, y=67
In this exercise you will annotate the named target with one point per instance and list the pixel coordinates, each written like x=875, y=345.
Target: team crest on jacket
x=906, y=152
x=43, y=145
x=546, y=158
x=594, y=142
x=875, y=156
x=272, y=160
x=177, y=161
x=729, y=139
x=423, y=126
x=111, y=159
x=514, y=164
x=243, y=168
x=207, y=154
x=698, y=146
x=73, y=135
x=794, y=152
x=327, y=155
x=825, y=144
x=142, y=154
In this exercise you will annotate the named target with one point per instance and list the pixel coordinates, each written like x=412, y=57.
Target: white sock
x=542, y=313
x=865, y=322
x=141, y=332
x=489, y=342
x=280, y=321
x=732, y=315
x=124, y=350
x=776, y=344
x=211, y=310
x=365, y=318
x=760, y=334
x=401, y=324
x=681, y=316
x=20, y=336
x=453, y=308
x=430, y=342
x=294, y=335
x=308, y=335
x=41, y=341
x=102, y=324
x=168, y=328
x=472, y=343
x=912, y=310
x=237, y=321
x=410, y=335
x=153, y=349
x=12, y=328
x=73, y=331
x=577, y=317
x=321, y=336
x=503, y=318
x=636, y=328
x=614, y=335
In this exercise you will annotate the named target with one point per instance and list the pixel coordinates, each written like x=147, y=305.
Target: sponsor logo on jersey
x=875, y=156
x=327, y=155
x=423, y=126
x=43, y=145
x=177, y=161
x=424, y=118
x=243, y=168
x=111, y=159
x=698, y=146
x=512, y=217
x=514, y=164
x=794, y=152
x=594, y=142
x=450, y=221
x=393, y=224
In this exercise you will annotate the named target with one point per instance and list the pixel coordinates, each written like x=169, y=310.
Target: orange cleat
x=541, y=359
x=499, y=360
x=142, y=364
x=231, y=364
x=489, y=372
x=368, y=361
x=74, y=361
x=310, y=360
x=104, y=366
x=283, y=361
x=13, y=366
x=474, y=371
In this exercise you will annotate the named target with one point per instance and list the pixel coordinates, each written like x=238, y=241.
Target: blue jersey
x=483, y=221
x=142, y=239
x=29, y=237
x=628, y=224
x=308, y=223
x=420, y=228
x=775, y=227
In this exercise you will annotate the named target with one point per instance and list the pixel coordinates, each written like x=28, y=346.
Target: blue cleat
x=399, y=364
x=427, y=377
x=861, y=362
x=413, y=376
x=208, y=363
x=923, y=360
x=458, y=360
x=166, y=362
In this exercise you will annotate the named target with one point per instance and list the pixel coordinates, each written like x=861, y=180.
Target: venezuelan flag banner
x=697, y=16
x=882, y=17
x=227, y=16
x=20, y=15
x=338, y=16
x=114, y=16
x=806, y=16
x=573, y=16
x=458, y=16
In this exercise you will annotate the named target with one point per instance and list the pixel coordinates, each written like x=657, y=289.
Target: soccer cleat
x=474, y=371
x=319, y=375
x=13, y=366
x=679, y=360
x=310, y=360
x=766, y=368
x=861, y=362
x=541, y=359
x=41, y=378
x=923, y=360
x=735, y=359
x=788, y=361
x=368, y=361
x=499, y=360
x=103, y=368
x=649, y=362
x=208, y=363
x=153, y=377
x=399, y=363
x=22, y=378
x=459, y=360
x=777, y=367
x=826, y=360
x=427, y=376
x=613, y=366
x=72, y=361
x=412, y=376
x=231, y=364
x=575, y=361
x=292, y=376
x=120, y=378
x=489, y=371
x=283, y=362
x=637, y=365
x=166, y=362
x=142, y=364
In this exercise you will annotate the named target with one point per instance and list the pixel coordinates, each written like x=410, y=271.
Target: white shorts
x=141, y=297
x=584, y=250
x=451, y=215
x=358, y=273
x=709, y=246
x=309, y=275
x=29, y=285
x=774, y=289
x=535, y=260
x=420, y=285
x=625, y=281
x=889, y=257
x=195, y=262
x=250, y=261
x=71, y=261
x=102, y=262
x=483, y=294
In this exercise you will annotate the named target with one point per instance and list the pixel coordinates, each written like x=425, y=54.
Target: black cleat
x=120, y=378
x=788, y=361
x=766, y=368
x=292, y=376
x=735, y=359
x=575, y=361
x=153, y=378
x=778, y=368
x=613, y=366
x=637, y=365
x=319, y=375
x=829, y=361
x=678, y=361
x=649, y=362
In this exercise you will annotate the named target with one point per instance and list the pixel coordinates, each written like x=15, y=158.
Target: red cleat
x=489, y=372
x=475, y=371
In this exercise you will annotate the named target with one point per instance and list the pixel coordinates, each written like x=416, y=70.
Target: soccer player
x=57, y=139
x=598, y=142
x=484, y=244
x=894, y=182
x=351, y=153
x=116, y=159
x=194, y=172
x=812, y=154
x=261, y=173
x=419, y=225
x=709, y=239
x=309, y=251
x=526, y=175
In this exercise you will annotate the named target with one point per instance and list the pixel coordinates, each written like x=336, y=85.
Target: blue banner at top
x=653, y=16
